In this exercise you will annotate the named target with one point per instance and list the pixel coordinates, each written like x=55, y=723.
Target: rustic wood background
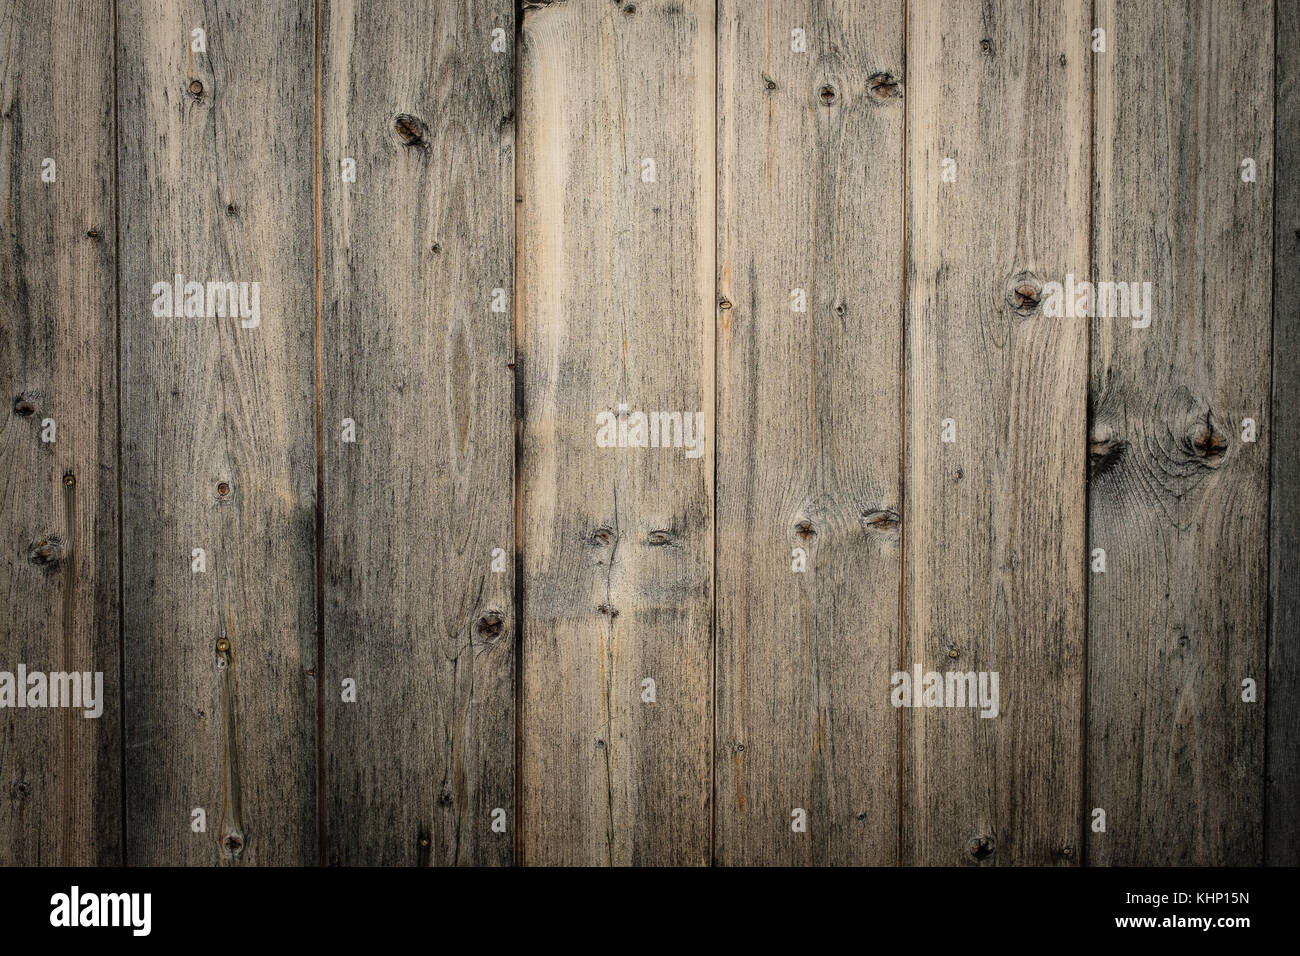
x=513, y=161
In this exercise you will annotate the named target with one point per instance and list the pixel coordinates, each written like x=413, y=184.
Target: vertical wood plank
x=1177, y=499
x=218, y=436
x=60, y=772
x=994, y=522
x=416, y=356
x=810, y=246
x=1282, y=800
x=616, y=291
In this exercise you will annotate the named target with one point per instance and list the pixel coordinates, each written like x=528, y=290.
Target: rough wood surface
x=1177, y=499
x=415, y=355
x=810, y=160
x=60, y=772
x=616, y=307
x=1282, y=824
x=440, y=622
x=994, y=522
x=218, y=436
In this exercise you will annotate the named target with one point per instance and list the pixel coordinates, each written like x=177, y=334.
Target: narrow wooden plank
x=616, y=292
x=1282, y=799
x=215, y=168
x=810, y=249
x=60, y=772
x=418, y=353
x=1177, y=500
x=994, y=521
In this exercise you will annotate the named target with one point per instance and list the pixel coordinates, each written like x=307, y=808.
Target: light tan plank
x=616, y=290
x=994, y=522
x=809, y=402
x=416, y=506
x=218, y=437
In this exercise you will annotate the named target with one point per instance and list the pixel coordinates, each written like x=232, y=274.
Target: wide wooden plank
x=417, y=342
x=1282, y=799
x=616, y=310
x=1177, y=499
x=994, y=519
x=810, y=257
x=60, y=771
x=215, y=168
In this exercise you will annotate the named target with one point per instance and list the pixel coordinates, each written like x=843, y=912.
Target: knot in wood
x=981, y=847
x=490, y=625
x=46, y=554
x=411, y=130
x=884, y=86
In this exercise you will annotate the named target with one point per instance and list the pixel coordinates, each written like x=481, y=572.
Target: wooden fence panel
x=215, y=166
x=616, y=290
x=616, y=497
x=417, y=337
x=60, y=771
x=1178, y=500
x=810, y=248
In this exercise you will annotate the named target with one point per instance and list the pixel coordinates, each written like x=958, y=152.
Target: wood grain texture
x=994, y=522
x=810, y=160
x=218, y=445
x=399, y=476
x=616, y=291
x=1282, y=800
x=1177, y=499
x=60, y=772
x=416, y=357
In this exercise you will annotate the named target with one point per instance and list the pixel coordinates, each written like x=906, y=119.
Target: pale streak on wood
x=810, y=197
x=60, y=772
x=1282, y=801
x=616, y=287
x=413, y=352
x=994, y=524
x=1178, y=501
x=218, y=186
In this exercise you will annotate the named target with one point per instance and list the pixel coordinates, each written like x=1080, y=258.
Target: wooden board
x=994, y=521
x=1282, y=799
x=415, y=356
x=60, y=772
x=810, y=248
x=1177, y=499
x=215, y=166
x=616, y=308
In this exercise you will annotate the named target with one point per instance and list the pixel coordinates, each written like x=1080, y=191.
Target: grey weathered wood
x=377, y=306
x=1282, y=799
x=994, y=523
x=810, y=159
x=1177, y=499
x=215, y=172
x=616, y=305
x=60, y=772
x=414, y=354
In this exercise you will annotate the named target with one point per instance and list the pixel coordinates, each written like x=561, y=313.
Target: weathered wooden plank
x=60, y=772
x=418, y=358
x=1282, y=799
x=1177, y=499
x=616, y=293
x=994, y=521
x=810, y=250
x=215, y=169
